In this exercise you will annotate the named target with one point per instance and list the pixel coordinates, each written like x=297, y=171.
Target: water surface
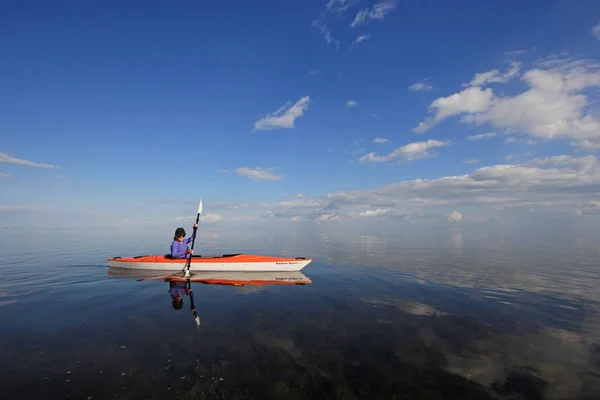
x=429, y=313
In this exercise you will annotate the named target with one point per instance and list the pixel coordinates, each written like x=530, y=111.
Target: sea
x=401, y=311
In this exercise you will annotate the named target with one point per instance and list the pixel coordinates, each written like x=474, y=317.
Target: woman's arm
x=189, y=240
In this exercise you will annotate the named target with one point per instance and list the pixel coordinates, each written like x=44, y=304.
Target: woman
x=179, y=247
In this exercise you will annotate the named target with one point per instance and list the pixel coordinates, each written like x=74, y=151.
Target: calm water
x=452, y=312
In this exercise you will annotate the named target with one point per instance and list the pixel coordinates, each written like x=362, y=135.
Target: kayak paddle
x=192, y=306
x=187, y=272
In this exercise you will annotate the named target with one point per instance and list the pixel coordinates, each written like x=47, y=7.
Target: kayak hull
x=226, y=262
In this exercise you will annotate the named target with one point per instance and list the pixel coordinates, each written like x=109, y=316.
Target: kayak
x=219, y=278
x=219, y=262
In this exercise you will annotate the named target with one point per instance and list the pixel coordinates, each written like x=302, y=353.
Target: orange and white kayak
x=219, y=262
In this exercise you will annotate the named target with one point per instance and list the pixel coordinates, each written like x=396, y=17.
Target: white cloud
x=11, y=208
x=6, y=159
x=378, y=11
x=327, y=217
x=561, y=181
x=326, y=32
x=242, y=218
x=412, y=151
x=587, y=145
x=284, y=117
x=422, y=86
x=553, y=107
x=377, y=212
x=336, y=8
x=520, y=141
x=482, y=136
x=362, y=38
x=596, y=31
x=380, y=140
x=455, y=216
x=562, y=184
x=258, y=174
x=210, y=218
x=3, y=175
x=352, y=103
x=339, y=6
x=470, y=100
x=518, y=52
x=494, y=76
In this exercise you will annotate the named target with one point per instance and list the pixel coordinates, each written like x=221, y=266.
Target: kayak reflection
x=180, y=285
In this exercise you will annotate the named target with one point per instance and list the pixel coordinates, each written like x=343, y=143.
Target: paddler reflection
x=177, y=289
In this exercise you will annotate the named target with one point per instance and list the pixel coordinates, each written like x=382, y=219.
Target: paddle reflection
x=180, y=285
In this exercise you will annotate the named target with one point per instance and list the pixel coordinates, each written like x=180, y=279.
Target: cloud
x=482, y=136
x=587, y=145
x=518, y=52
x=362, y=38
x=472, y=161
x=338, y=6
x=455, y=216
x=258, y=174
x=373, y=213
x=596, y=31
x=494, y=76
x=412, y=151
x=563, y=183
x=521, y=141
x=329, y=39
x=553, y=107
x=470, y=100
x=420, y=87
x=11, y=208
x=352, y=103
x=327, y=217
x=378, y=11
x=284, y=117
x=3, y=175
x=380, y=140
x=211, y=218
x=335, y=8
x=6, y=159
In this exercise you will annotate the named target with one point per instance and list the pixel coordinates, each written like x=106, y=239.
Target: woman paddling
x=179, y=248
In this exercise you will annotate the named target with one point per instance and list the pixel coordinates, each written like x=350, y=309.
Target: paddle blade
x=200, y=207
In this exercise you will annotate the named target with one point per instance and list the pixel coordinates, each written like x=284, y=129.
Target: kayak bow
x=220, y=262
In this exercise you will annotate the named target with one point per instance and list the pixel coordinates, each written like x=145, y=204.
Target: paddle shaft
x=193, y=241
x=192, y=306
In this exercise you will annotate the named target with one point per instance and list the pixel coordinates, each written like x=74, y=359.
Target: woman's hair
x=177, y=303
x=179, y=232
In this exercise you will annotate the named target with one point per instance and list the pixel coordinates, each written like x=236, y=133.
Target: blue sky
x=270, y=110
